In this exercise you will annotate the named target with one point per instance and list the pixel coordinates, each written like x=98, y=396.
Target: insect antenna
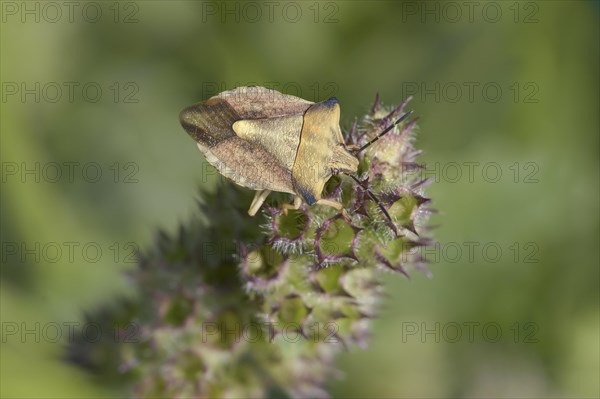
x=374, y=198
x=385, y=131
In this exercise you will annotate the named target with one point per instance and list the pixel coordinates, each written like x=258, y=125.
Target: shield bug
x=268, y=141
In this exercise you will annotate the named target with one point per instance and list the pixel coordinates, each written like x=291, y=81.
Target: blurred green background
x=501, y=87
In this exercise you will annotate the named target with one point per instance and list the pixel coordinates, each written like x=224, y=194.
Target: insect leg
x=259, y=198
x=295, y=205
x=336, y=205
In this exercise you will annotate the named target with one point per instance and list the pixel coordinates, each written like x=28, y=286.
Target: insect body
x=268, y=141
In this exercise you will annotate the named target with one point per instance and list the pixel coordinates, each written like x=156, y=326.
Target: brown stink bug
x=269, y=141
